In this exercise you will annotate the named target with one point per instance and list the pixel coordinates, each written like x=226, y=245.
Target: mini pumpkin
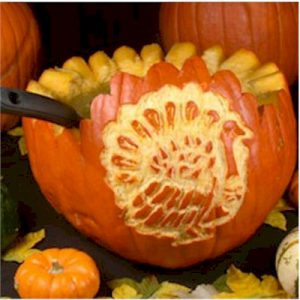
x=180, y=161
x=268, y=29
x=19, y=50
x=57, y=273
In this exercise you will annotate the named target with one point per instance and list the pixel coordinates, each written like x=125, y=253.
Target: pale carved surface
x=168, y=167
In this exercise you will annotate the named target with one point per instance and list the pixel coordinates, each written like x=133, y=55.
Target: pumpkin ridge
x=268, y=30
x=281, y=46
x=17, y=51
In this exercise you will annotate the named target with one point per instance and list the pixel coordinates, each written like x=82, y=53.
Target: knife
x=25, y=104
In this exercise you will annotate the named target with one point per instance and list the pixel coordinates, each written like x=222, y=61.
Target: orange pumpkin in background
x=20, y=44
x=293, y=190
x=180, y=160
x=268, y=29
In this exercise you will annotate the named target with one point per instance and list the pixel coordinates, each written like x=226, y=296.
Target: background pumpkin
x=20, y=44
x=268, y=29
x=76, y=181
x=293, y=190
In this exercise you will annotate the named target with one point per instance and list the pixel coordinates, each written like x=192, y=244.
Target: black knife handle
x=25, y=104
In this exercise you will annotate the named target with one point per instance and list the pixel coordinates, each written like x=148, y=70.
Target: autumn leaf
x=276, y=218
x=23, y=248
x=169, y=290
x=220, y=284
x=125, y=291
x=130, y=289
x=247, y=285
x=149, y=287
x=18, y=131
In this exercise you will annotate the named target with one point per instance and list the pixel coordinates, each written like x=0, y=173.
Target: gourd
x=180, y=162
x=287, y=262
x=57, y=273
x=19, y=50
x=270, y=30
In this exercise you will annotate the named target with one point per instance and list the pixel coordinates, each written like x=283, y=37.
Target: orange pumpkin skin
x=73, y=177
x=268, y=29
x=58, y=273
x=294, y=190
x=20, y=44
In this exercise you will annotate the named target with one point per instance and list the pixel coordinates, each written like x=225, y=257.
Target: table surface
x=257, y=255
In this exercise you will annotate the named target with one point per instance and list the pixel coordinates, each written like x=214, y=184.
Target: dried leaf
x=282, y=205
x=276, y=218
x=18, y=131
x=148, y=286
x=113, y=284
x=247, y=285
x=129, y=288
x=125, y=291
x=20, y=251
x=22, y=146
x=169, y=290
x=221, y=284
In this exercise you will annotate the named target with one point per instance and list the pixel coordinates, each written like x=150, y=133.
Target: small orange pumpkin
x=19, y=49
x=58, y=273
x=268, y=29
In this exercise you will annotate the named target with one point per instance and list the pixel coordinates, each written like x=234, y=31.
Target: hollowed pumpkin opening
x=77, y=82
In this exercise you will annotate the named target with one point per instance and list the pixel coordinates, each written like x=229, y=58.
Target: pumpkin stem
x=56, y=268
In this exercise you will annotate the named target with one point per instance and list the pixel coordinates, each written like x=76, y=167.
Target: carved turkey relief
x=177, y=162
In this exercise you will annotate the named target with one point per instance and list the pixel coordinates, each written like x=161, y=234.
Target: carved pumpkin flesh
x=179, y=162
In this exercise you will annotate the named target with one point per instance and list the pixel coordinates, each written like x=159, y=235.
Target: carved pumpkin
x=268, y=29
x=179, y=163
x=20, y=43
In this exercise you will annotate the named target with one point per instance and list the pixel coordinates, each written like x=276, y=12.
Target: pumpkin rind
x=57, y=273
x=20, y=44
x=294, y=189
x=268, y=29
x=82, y=162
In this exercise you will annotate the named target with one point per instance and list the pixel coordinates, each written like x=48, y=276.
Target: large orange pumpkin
x=20, y=43
x=268, y=29
x=177, y=164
